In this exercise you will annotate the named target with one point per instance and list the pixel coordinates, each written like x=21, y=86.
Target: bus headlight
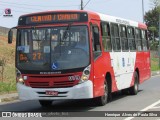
x=85, y=74
x=19, y=77
x=20, y=80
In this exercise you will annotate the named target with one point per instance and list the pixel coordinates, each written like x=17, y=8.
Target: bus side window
x=115, y=37
x=138, y=39
x=148, y=45
x=144, y=40
x=131, y=38
x=106, y=39
x=96, y=43
x=124, y=40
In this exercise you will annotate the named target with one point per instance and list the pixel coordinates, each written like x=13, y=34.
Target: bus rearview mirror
x=10, y=36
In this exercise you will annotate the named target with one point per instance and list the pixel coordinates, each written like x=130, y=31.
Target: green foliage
x=152, y=28
x=151, y=19
x=154, y=45
x=7, y=60
x=6, y=87
x=155, y=64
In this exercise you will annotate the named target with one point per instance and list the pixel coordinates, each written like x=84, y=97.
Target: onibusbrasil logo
x=7, y=12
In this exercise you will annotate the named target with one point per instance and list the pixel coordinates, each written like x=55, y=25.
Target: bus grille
x=60, y=84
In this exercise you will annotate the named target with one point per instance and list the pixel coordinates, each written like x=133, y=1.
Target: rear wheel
x=45, y=103
x=102, y=100
x=134, y=89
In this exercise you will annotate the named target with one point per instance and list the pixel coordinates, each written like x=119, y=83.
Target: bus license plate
x=53, y=93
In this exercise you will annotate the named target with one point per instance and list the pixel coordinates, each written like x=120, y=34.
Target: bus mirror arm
x=10, y=35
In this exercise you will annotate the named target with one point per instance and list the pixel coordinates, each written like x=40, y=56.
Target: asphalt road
x=148, y=99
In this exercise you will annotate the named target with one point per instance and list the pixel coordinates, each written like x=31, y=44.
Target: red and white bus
x=74, y=54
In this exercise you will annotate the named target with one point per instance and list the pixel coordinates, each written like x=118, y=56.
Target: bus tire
x=45, y=103
x=134, y=89
x=125, y=92
x=102, y=100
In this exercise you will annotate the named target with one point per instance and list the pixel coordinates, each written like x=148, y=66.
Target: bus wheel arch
x=134, y=89
x=108, y=78
x=137, y=70
x=102, y=100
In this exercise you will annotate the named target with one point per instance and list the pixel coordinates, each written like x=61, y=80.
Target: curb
x=8, y=97
x=14, y=96
x=154, y=73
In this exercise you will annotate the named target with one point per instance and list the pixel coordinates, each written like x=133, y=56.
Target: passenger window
x=144, y=40
x=106, y=39
x=124, y=40
x=115, y=37
x=138, y=40
x=131, y=38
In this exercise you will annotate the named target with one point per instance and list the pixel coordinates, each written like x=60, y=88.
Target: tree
x=151, y=19
x=154, y=3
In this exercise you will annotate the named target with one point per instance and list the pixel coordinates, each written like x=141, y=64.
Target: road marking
x=145, y=109
x=155, y=107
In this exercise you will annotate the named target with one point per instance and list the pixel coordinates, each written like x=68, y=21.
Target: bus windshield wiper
x=65, y=35
x=35, y=34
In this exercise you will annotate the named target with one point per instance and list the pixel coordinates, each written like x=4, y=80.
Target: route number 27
x=37, y=56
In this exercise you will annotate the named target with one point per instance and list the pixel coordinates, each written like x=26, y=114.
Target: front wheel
x=134, y=89
x=45, y=103
x=102, y=100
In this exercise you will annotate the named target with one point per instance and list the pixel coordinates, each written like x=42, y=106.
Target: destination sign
x=57, y=17
x=53, y=18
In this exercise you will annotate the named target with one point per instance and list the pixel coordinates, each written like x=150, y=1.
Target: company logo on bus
x=7, y=12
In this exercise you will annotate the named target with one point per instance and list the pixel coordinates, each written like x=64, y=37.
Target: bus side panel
x=139, y=64
x=102, y=65
x=147, y=65
x=99, y=77
x=123, y=65
x=110, y=70
x=143, y=65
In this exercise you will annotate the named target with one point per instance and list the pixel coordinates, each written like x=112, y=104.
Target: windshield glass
x=50, y=49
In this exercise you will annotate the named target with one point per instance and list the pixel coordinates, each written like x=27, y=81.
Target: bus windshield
x=50, y=49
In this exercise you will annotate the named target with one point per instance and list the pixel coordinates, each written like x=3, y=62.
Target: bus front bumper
x=80, y=91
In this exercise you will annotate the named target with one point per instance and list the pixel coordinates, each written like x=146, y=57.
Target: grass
x=7, y=52
x=154, y=64
x=7, y=87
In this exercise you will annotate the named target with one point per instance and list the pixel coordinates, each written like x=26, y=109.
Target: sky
x=128, y=9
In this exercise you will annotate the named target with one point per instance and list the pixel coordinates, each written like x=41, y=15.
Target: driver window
x=96, y=43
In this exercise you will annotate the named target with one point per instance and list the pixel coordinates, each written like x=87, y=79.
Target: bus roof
x=96, y=15
x=53, y=11
x=119, y=20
